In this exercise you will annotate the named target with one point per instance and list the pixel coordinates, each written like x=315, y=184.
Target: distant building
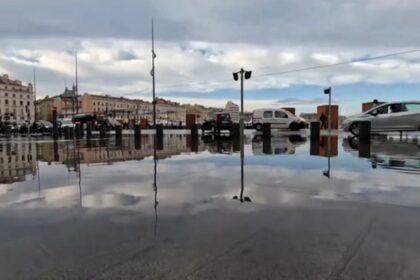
x=16, y=101
x=310, y=117
x=43, y=109
x=68, y=103
x=233, y=110
x=200, y=112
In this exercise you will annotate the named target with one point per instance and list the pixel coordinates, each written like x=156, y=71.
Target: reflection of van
x=276, y=145
x=278, y=118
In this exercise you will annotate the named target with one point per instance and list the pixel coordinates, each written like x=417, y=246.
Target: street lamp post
x=247, y=75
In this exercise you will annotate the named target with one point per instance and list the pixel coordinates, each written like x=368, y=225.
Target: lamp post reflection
x=155, y=188
x=241, y=197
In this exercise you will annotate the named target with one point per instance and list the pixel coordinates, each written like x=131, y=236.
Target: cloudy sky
x=200, y=43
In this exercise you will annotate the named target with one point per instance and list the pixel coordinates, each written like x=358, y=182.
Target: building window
x=29, y=103
x=6, y=102
x=21, y=103
x=14, y=95
x=28, y=95
x=6, y=94
x=14, y=102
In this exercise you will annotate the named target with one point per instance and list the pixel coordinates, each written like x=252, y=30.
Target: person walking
x=323, y=120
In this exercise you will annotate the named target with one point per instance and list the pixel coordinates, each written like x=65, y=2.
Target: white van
x=278, y=118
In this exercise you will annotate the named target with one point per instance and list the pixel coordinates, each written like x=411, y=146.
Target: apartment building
x=16, y=101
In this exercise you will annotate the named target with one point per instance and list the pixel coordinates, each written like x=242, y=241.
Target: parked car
x=278, y=118
x=392, y=116
x=220, y=121
x=63, y=123
x=42, y=126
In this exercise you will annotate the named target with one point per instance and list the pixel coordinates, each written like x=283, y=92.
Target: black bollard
x=102, y=131
x=55, y=126
x=137, y=143
x=364, y=148
x=364, y=131
x=267, y=145
x=314, y=149
x=137, y=130
x=77, y=131
x=66, y=132
x=159, y=130
x=236, y=130
x=194, y=131
x=71, y=130
x=266, y=129
x=89, y=130
x=315, y=130
x=118, y=131
x=159, y=143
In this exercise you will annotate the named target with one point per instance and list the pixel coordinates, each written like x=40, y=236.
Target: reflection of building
x=16, y=100
x=107, y=152
x=322, y=148
x=16, y=161
x=233, y=110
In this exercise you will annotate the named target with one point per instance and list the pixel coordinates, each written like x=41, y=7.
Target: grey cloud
x=297, y=101
x=385, y=23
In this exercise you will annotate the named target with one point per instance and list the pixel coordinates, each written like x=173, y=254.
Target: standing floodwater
x=178, y=208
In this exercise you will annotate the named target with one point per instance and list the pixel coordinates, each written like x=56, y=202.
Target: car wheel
x=258, y=127
x=354, y=129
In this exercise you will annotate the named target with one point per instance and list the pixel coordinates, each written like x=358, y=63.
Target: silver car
x=392, y=116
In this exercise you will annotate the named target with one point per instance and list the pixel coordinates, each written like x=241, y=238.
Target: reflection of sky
x=192, y=183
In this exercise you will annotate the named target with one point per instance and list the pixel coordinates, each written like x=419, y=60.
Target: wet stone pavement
x=185, y=208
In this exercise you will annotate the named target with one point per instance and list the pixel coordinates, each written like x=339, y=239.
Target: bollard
x=194, y=131
x=159, y=131
x=118, y=131
x=66, y=132
x=71, y=132
x=364, y=131
x=159, y=143
x=236, y=130
x=266, y=129
x=102, y=131
x=364, y=148
x=137, y=143
x=267, y=145
x=137, y=130
x=77, y=131
x=55, y=126
x=315, y=130
x=236, y=144
x=314, y=149
x=89, y=130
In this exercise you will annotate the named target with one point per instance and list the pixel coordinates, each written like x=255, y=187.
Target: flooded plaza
x=181, y=207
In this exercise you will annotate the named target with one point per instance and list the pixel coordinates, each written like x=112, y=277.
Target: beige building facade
x=16, y=101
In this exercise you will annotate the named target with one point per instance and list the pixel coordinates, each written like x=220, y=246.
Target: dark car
x=220, y=121
x=42, y=127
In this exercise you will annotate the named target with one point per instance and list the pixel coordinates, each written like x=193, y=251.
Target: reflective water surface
x=185, y=208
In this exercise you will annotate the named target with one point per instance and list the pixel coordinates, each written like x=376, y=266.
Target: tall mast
x=77, y=84
x=153, y=76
